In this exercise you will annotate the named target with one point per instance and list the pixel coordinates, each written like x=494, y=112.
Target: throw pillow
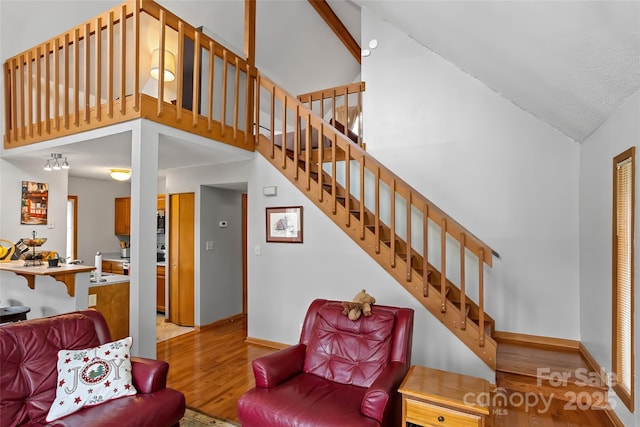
x=92, y=376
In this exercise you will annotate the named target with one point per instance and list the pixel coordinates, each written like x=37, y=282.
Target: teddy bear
x=360, y=305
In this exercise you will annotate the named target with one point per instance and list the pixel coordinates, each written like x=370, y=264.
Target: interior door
x=181, y=258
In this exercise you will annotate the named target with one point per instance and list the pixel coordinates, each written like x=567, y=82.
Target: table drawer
x=426, y=415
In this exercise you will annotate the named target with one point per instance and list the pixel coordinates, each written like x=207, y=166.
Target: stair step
x=552, y=371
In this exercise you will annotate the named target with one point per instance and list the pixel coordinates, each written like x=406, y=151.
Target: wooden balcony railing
x=341, y=106
x=415, y=241
x=97, y=74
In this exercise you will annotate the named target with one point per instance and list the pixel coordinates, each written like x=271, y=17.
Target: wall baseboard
x=266, y=343
x=230, y=319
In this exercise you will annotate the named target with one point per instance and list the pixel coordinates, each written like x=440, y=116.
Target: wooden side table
x=431, y=397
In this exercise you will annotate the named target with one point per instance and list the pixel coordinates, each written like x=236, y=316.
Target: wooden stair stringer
x=470, y=335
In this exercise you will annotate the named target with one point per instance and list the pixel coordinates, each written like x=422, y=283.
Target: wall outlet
x=93, y=300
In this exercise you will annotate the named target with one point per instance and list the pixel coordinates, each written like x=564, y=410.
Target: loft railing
x=97, y=74
x=434, y=257
x=341, y=106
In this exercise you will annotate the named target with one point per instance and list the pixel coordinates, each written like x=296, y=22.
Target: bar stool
x=13, y=314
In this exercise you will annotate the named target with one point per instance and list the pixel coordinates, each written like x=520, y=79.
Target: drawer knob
x=441, y=418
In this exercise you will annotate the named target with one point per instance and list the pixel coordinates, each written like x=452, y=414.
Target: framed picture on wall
x=34, y=203
x=284, y=224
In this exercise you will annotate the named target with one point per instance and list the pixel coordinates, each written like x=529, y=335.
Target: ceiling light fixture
x=54, y=163
x=121, y=174
x=169, y=65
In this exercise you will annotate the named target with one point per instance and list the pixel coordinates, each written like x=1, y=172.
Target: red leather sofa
x=28, y=357
x=342, y=372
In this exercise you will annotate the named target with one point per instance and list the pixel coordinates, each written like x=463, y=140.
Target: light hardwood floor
x=212, y=367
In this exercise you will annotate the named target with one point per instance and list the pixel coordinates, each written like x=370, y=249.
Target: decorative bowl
x=33, y=241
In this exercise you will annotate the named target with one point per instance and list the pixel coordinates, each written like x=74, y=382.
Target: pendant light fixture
x=54, y=162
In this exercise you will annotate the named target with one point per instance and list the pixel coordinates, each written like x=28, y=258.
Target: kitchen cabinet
x=113, y=302
x=181, y=255
x=122, y=216
x=115, y=267
x=160, y=288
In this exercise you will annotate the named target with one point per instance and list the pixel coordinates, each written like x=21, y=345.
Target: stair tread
x=526, y=359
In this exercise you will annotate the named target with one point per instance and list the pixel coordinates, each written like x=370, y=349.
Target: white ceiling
x=94, y=158
x=569, y=63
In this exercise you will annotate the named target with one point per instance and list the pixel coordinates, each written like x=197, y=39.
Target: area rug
x=194, y=418
x=166, y=330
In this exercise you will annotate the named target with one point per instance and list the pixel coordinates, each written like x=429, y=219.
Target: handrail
x=91, y=76
x=344, y=114
x=294, y=121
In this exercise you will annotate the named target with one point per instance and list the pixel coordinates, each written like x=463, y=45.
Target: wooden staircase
x=387, y=218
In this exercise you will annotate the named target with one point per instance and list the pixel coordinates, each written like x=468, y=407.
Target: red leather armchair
x=342, y=373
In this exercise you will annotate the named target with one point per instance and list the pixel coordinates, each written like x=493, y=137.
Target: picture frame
x=284, y=224
x=34, y=203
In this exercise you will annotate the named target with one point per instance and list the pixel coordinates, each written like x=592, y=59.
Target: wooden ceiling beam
x=250, y=31
x=332, y=20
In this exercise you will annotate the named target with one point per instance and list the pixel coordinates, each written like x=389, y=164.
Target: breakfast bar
x=65, y=273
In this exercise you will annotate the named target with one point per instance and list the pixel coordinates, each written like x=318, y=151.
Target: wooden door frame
x=74, y=255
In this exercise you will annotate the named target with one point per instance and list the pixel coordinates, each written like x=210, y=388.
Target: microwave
x=160, y=222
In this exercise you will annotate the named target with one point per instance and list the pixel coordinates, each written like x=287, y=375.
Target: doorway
x=220, y=293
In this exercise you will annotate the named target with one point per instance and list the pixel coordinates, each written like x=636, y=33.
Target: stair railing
x=341, y=106
x=373, y=201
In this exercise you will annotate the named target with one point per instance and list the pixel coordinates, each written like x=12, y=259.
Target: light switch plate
x=208, y=246
x=93, y=300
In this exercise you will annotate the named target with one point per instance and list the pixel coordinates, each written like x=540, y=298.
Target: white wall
x=506, y=176
x=96, y=215
x=221, y=266
x=618, y=133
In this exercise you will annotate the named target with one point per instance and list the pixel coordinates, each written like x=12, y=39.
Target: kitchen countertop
x=113, y=256
x=109, y=279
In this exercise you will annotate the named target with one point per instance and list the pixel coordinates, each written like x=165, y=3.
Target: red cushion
x=349, y=352
x=305, y=400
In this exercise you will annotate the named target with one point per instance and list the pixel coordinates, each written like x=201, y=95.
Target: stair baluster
x=443, y=265
x=463, y=294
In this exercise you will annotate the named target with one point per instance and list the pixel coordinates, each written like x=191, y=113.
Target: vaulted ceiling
x=570, y=63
